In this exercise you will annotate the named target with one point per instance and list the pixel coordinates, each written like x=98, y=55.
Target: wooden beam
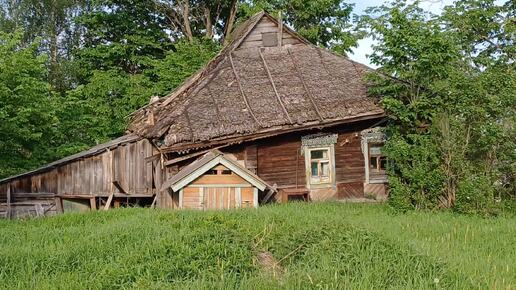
x=93, y=204
x=153, y=205
x=9, y=201
x=274, y=86
x=59, y=204
x=191, y=155
x=118, y=186
x=39, y=210
x=242, y=90
x=108, y=202
x=309, y=94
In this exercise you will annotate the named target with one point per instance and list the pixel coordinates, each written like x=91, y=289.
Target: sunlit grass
x=326, y=245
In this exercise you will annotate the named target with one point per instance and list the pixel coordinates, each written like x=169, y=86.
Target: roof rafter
x=274, y=86
x=300, y=75
x=242, y=90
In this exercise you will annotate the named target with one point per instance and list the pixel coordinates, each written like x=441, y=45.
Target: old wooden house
x=271, y=117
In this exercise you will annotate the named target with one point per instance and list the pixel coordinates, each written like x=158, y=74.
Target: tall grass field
x=305, y=245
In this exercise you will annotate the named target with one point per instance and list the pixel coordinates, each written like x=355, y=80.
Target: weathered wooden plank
x=108, y=202
x=274, y=87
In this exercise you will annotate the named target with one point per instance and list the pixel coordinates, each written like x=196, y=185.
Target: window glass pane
x=226, y=172
x=325, y=169
x=314, y=169
x=373, y=163
x=211, y=172
x=316, y=154
x=319, y=154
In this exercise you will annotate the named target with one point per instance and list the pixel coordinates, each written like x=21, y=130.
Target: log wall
x=279, y=161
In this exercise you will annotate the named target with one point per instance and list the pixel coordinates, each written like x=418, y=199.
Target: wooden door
x=221, y=197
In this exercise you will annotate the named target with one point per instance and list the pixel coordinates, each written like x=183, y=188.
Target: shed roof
x=244, y=92
x=129, y=138
x=214, y=157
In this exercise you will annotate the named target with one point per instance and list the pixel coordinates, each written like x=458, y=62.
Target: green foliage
x=27, y=116
x=450, y=98
x=326, y=245
x=182, y=62
x=415, y=176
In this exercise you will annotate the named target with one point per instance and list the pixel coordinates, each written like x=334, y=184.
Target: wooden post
x=255, y=197
x=93, y=205
x=181, y=198
x=108, y=202
x=59, y=205
x=238, y=193
x=9, y=201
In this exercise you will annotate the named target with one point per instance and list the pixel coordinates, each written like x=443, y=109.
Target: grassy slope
x=320, y=246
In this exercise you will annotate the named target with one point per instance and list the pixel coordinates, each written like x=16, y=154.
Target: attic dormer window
x=270, y=39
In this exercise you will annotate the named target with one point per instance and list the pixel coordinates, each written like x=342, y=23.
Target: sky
x=365, y=45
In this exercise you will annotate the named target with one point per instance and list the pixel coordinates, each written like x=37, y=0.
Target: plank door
x=220, y=197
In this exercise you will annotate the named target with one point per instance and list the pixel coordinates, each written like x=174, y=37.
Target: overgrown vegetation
x=325, y=246
x=449, y=89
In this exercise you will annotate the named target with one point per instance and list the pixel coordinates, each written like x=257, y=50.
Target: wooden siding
x=247, y=197
x=349, y=160
x=92, y=175
x=255, y=37
x=376, y=190
x=279, y=161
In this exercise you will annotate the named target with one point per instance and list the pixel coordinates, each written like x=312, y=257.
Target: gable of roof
x=256, y=90
x=211, y=159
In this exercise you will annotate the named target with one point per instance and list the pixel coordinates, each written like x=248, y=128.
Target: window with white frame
x=320, y=165
x=377, y=161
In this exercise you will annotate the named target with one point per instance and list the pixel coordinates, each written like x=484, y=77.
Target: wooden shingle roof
x=246, y=92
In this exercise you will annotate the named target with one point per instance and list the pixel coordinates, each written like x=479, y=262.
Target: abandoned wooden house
x=270, y=118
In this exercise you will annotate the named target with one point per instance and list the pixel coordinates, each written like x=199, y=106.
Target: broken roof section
x=248, y=90
x=211, y=159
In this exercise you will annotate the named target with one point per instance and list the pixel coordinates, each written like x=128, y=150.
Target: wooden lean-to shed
x=215, y=181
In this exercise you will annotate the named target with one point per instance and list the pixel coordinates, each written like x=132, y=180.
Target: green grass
x=323, y=246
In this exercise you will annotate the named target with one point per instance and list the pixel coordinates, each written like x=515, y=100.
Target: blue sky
x=364, y=46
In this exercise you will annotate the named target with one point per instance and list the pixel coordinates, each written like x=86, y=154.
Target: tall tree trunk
x=186, y=21
x=53, y=34
x=230, y=21
x=209, y=26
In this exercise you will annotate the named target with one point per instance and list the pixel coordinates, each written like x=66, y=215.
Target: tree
x=198, y=18
x=449, y=98
x=52, y=22
x=27, y=116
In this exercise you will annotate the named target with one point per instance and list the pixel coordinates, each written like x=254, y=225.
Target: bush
x=475, y=195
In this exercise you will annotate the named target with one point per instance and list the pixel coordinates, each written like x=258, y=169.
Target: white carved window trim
x=371, y=136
